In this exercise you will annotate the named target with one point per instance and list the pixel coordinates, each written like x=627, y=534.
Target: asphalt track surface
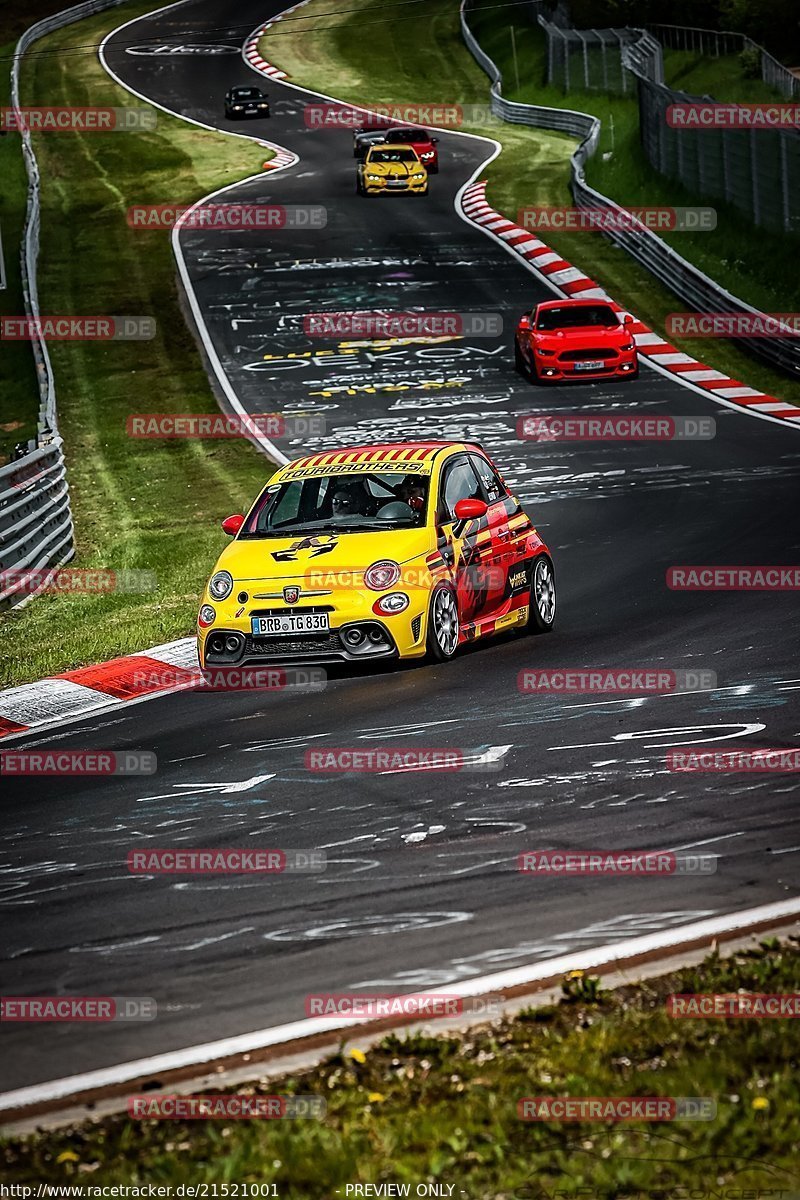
x=421, y=888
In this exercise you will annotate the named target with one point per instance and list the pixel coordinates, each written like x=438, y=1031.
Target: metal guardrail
x=685, y=280
x=36, y=529
x=35, y=521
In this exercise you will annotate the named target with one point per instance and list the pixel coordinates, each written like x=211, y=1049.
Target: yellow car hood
x=395, y=168
x=296, y=556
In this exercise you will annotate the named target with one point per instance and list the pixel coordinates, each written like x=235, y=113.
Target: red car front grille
x=603, y=352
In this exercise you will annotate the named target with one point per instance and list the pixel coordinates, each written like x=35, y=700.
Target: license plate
x=290, y=623
x=590, y=366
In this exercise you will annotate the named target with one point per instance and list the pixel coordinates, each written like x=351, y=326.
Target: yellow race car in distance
x=386, y=169
x=395, y=550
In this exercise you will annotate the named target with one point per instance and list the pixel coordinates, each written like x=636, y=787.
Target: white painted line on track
x=668, y=940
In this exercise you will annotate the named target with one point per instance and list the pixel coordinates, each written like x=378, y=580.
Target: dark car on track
x=575, y=339
x=245, y=102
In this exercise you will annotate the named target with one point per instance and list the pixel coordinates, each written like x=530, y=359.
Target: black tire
x=542, y=596
x=442, y=642
x=520, y=364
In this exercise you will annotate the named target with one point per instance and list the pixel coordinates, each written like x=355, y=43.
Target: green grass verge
x=362, y=55
x=145, y=505
x=444, y=1109
x=724, y=77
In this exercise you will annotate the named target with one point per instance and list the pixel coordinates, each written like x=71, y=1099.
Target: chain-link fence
x=712, y=43
x=754, y=169
x=592, y=60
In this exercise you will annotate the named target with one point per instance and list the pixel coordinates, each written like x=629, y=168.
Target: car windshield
x=355, y=503
x=401, y=154
x=247, y=93
x=407, y=135
x=570, y=318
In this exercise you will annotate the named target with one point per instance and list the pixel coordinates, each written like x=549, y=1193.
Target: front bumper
x=623, y=365
x=396, y=187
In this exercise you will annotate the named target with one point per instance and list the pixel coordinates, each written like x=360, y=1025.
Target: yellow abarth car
x=386, y=169
x=384, y=551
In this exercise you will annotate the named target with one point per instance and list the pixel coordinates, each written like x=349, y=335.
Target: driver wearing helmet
x=413, y=491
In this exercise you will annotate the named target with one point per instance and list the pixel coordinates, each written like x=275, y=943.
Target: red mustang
x=575, y=339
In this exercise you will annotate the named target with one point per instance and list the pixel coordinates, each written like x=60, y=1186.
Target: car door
x=465, y=545
x=510, y=526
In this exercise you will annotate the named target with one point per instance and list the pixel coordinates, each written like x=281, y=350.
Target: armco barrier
x=696, y=289
x=35, y=519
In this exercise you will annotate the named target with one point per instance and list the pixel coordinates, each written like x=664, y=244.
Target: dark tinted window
x=570, y=318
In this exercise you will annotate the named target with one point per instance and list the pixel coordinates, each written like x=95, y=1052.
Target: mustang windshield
x=572, y=318
x=348, y=503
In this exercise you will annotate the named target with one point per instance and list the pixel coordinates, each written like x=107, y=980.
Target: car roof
x=573, y=303
x=393, y=146
x=419, y=135
x=391, y=455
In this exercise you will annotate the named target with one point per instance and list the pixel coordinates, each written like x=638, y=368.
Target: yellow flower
x=760, y=1103
x=358, y=1056
x=67, y=1156
x=575, y=975
x=375, y=1097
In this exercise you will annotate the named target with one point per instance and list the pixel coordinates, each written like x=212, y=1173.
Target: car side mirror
x=470, y=510
x=232, y=525
x=524, y=322
x=627, y=319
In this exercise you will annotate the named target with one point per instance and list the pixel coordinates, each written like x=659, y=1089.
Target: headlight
x=207, y=616
x=544, y=352
x=237, y=108
x=382, y=575
x=627, y=346
x=427, y=154
x=395, y=602
x=375, y=178
x=221, y=585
